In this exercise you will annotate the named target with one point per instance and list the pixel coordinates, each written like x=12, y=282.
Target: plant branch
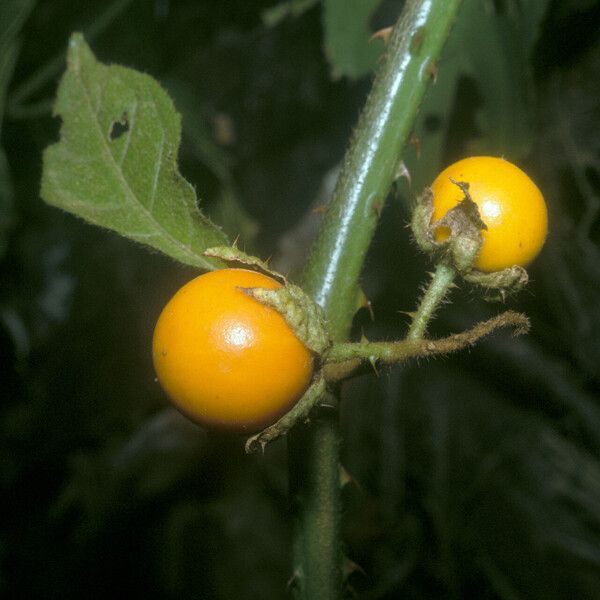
x=436, y=291
x=333, y=270
x=372, y=161
x=345, y=358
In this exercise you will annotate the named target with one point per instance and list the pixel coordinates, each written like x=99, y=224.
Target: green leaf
x=292, y=8
x=493, y=48
x=13, y=14
x=348, y=44
x=116, y=162
x=9, y=49
x=7, y=216
x=499, y=59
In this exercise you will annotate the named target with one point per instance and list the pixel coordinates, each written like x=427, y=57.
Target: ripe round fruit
x=226, y=360
x=509, y=203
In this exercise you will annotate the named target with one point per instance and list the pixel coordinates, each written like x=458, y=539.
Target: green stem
x=371, y=163
x=441, y=281
x=390, y=353
x=315, y=493
x=333, y=270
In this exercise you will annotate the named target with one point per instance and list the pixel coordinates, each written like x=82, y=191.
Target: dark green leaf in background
x=491, y=45
x=23, y=102
x=348, y=45
x=498, y=44
x=291, y=8
x=228, y=209
x=6, y=201
x=116, y=162
x=13, y=14
x=477, y=476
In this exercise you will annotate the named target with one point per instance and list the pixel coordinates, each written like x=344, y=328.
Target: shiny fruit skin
x=224, y=359
x=509, y=202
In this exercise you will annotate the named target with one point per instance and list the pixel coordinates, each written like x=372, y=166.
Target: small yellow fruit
x=509, y=203
x=226, y=360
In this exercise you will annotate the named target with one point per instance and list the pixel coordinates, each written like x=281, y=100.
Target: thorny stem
x=345, y=358
x=333, y=270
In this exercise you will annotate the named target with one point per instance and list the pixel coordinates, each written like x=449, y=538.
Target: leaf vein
x=131, y=119
x=136, y=204
x=156, y=173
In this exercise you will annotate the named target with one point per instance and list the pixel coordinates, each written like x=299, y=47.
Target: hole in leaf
x=118, y=128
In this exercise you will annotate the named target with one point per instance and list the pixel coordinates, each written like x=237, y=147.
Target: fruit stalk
x=345, y=358
x=331, y=276
x=441, y=281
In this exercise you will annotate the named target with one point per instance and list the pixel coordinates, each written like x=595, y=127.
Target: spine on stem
x=333, y=271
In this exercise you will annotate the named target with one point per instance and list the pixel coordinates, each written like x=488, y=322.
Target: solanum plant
x=243, y=348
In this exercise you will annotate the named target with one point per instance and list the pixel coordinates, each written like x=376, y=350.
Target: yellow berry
x=509, y=203
x=226, y=360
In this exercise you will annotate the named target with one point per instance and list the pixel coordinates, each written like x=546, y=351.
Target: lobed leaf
x=116, y=162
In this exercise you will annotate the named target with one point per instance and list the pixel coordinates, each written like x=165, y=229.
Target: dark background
x=473, y=476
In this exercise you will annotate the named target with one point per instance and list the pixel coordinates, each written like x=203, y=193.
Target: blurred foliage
x=487, y=69
x=347, y=42
x=472, y=476
x=13, y=14
x=292, y=8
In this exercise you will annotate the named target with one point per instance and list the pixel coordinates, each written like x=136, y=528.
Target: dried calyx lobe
x=460, y=247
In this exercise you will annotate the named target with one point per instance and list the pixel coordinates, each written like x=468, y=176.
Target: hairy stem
x=333, y=270
x=351, y=355
x=436, y=292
